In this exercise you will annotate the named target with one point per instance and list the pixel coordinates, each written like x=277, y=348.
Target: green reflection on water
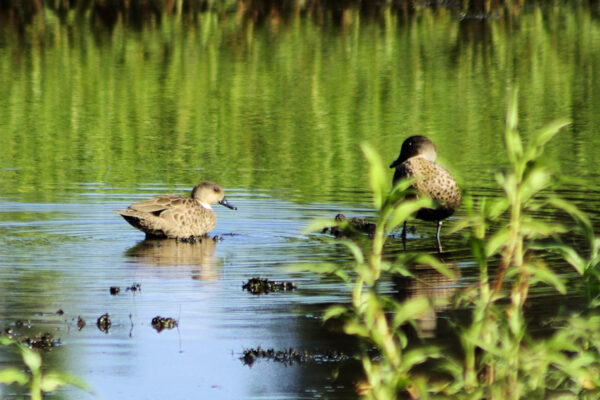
x=285, y=105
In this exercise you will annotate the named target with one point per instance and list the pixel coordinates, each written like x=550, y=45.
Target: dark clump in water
x=40, y=341
x=114, y=290
x=159, y=323
x=350, y=227
x=80, y=323
x=43, y=341
x=264, y=286
x=291, y=356
x=104, y=323
x=135, y=287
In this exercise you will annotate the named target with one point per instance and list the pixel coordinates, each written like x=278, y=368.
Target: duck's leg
x=437, y=237
x=404, y=236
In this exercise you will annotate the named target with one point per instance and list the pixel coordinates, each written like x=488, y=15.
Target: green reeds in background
x=499, y=356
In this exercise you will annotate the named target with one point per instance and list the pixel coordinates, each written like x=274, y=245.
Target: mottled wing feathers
x=433, y=181
x=160, y=203
x=170, y=216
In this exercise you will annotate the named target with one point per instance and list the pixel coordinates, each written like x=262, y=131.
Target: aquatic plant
x=36, y=380
x=499, y=357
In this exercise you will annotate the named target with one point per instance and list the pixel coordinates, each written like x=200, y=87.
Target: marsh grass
x=498, y=357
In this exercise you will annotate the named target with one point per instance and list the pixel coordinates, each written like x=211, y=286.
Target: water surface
x=93, y=119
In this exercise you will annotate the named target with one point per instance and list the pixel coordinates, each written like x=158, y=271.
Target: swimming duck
x=417, y=160
x=177, y=217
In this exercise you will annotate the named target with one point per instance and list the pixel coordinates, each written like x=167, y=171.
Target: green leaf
x=496, y=242
x=319, y=225
x=546, y=133
x=404, y=210
x=378, y=179
x=539, y=272
x=512, y=110
x=54, y=380
x=411, y=309
x=537, y=179
x=356, y=251
x=11, y=375
x=31, y=358
x=334, y=312
x=569, y=254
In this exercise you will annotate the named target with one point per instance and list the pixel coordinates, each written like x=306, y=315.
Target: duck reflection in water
x=174, y=253
x=436, y=287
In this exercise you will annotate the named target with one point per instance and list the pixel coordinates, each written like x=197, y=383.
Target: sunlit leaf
x=411, y=309
x=512, y=110
x=569, y=254
x=31, y=358
x=378, y=179
x=356, y=251
x=496, y=208
x=11, y=375
x=536, y=228
x=54, y=380
x=403, y=211
x=539, y=272
x=546, y=133
x=334, y=312
x=319, y=225
x=536, y=180
x=496, y=242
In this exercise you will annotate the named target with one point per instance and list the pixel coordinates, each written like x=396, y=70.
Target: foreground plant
x=500, y=359
x=35, y=380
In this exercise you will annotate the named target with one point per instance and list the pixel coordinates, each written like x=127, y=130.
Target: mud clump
x=350, y=227
x=80, y=323
x=135, y=287
x=159, y=323
x=104, y=323
x=263, y=286
x=290, y=356
x=43, y=341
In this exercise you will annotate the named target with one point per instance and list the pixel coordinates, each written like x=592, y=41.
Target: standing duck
x=417, y=161
x=177, y=217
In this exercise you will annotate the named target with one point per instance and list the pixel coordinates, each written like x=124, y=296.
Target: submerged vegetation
x=499, y=356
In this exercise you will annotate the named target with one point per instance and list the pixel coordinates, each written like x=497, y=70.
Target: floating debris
x=114, y=290
x=291, y=356
x=43, y=341
x=135, y=287
x=263, y=286
x=80, y=323
x=191, y=239
x=159, y=323
x=348, y=227
x=60, y=312
x=104, y=323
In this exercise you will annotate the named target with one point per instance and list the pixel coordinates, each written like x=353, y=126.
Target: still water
x=93, y=119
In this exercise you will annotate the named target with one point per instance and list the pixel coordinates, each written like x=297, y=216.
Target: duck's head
x=416, y=146
x=208, y=193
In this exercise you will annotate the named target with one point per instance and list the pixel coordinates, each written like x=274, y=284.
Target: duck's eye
x=217, y=190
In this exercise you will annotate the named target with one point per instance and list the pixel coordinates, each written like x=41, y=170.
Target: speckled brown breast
x=432, y=181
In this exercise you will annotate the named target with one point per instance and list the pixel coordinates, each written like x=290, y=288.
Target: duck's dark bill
x=225, y=203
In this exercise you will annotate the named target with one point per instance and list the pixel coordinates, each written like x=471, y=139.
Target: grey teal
x=417, y=161
x=177, y=217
